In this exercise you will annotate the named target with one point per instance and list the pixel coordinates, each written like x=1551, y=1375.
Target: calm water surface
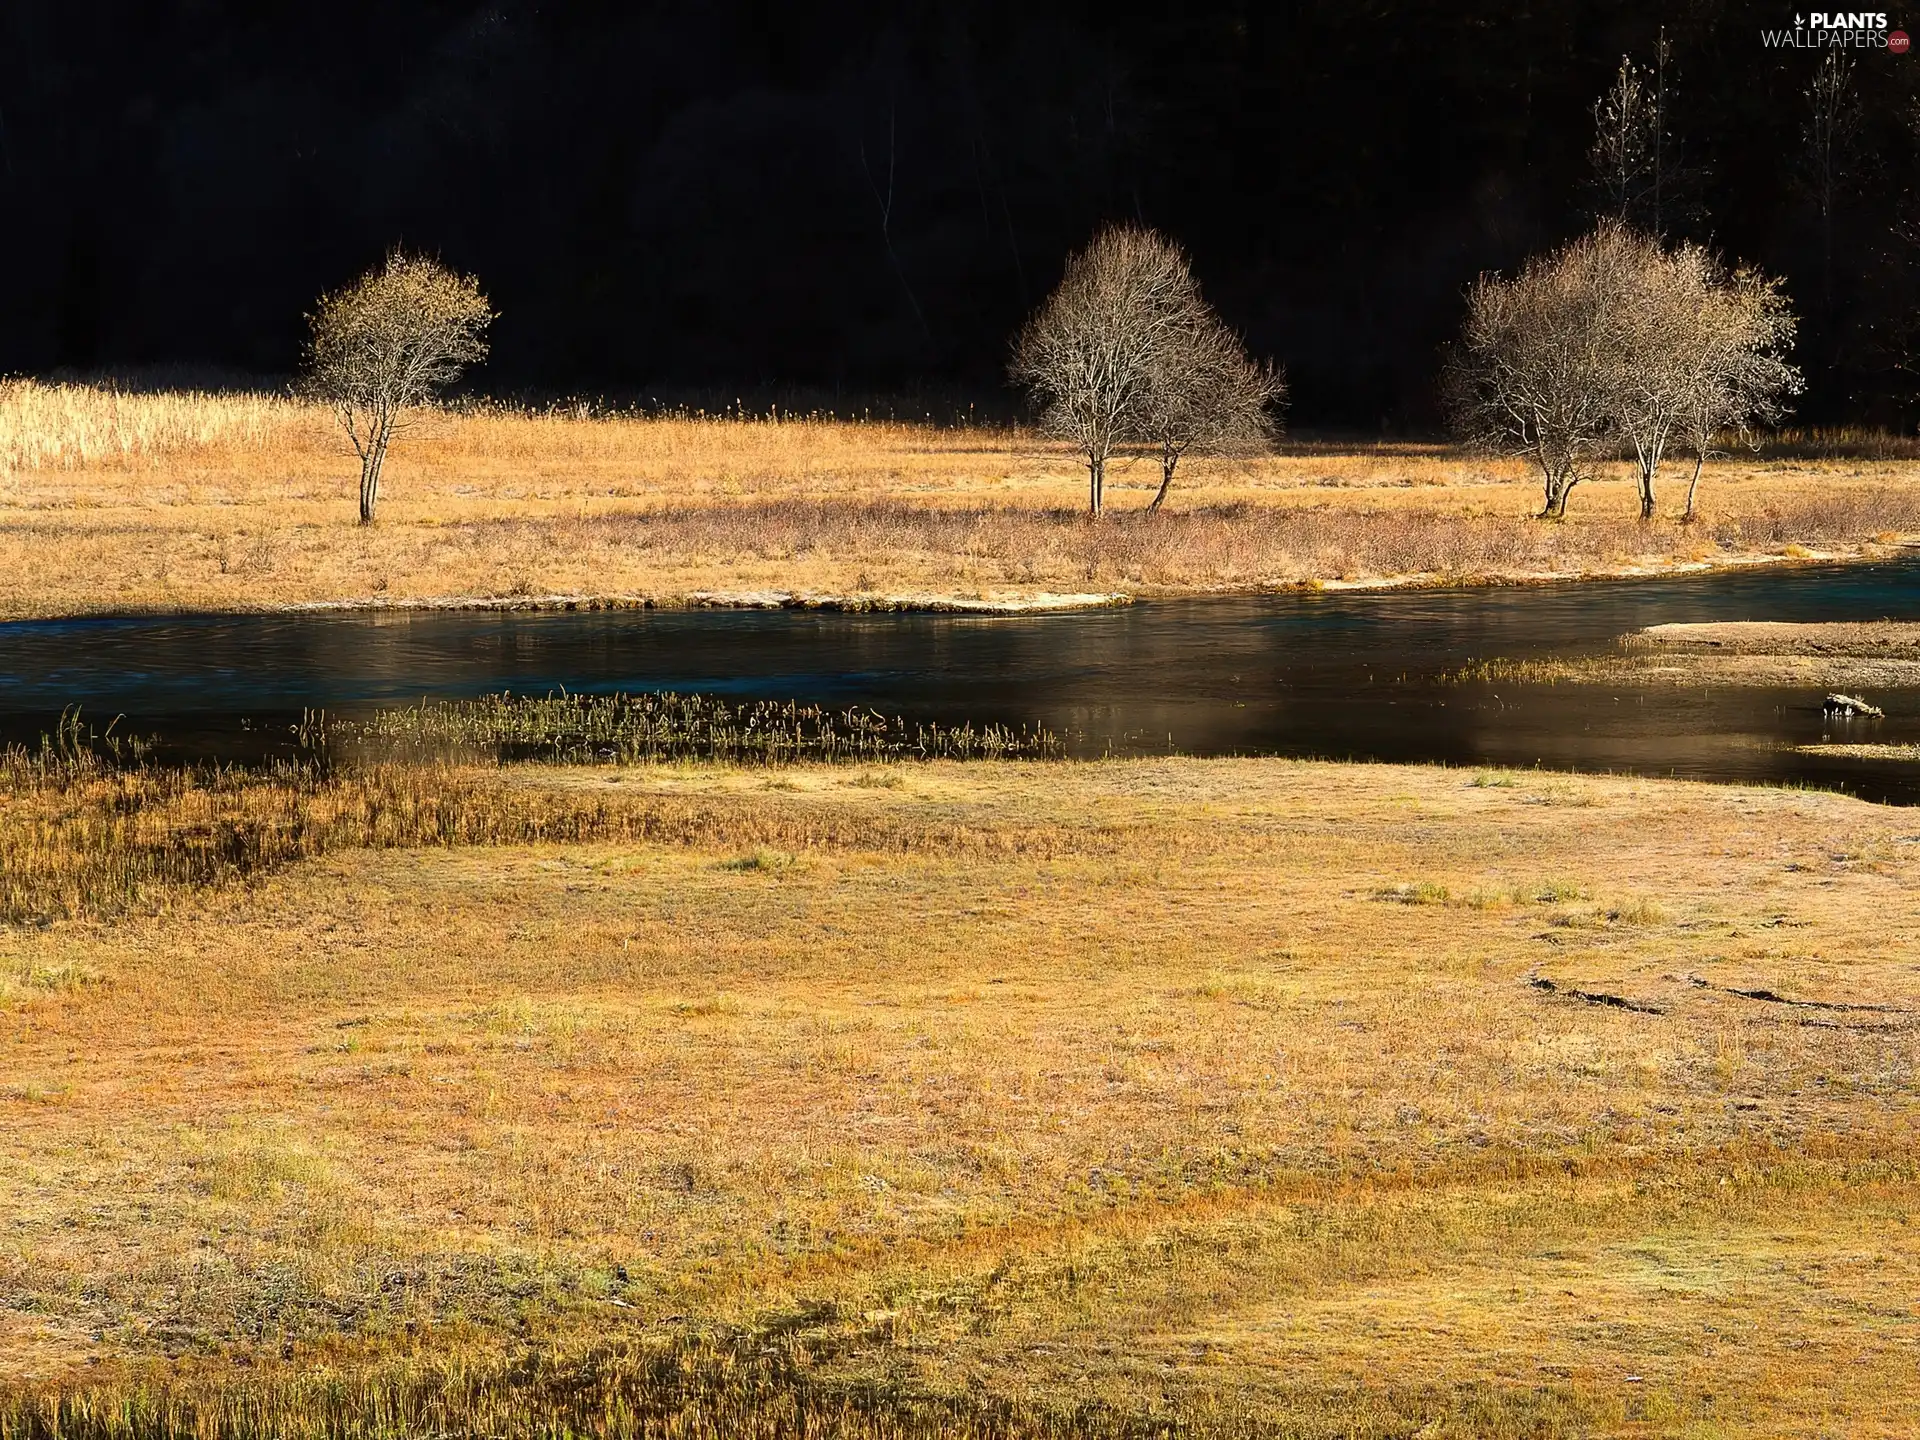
x=1342, y=675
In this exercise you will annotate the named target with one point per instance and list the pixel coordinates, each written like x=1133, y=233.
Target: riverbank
x=921, y=1097
x=249, y=508
x=1036, y=603
x=859, y=556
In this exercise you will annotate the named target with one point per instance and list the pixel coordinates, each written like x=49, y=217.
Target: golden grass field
x=1072, y=1098
x=141, y=502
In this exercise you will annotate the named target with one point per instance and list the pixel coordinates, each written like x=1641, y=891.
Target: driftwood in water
x=1837, y=704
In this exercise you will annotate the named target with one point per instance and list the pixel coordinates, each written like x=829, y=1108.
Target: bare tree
x=1740, y=373
x=388, y=343
x=1207, y=397
x=1654, y=374
x=1640, y=172
x=1534, y=372
x=1613, y=340
x=1625, y=153
x=1091, y=353
x=1832, y=125
x=883, y=202
x=1701, y=352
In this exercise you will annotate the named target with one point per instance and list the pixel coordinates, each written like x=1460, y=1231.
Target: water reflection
x=1322, y=674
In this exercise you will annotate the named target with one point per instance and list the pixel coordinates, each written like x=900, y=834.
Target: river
x=1334, y=674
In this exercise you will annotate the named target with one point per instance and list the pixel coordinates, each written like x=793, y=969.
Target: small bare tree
x=1090, y=354
x=1534, y=372
x=1740, y=373
x=1831, y=128
x=1640, y=175
x=1207, y=397
x=1625, y=154
x=387, y=343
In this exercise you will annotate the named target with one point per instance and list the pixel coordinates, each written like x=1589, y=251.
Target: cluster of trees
x=1615, y=343
x=1127, y=353
x=1621, y=341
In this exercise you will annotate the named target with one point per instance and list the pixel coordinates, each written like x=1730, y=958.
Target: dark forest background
x=865, y=198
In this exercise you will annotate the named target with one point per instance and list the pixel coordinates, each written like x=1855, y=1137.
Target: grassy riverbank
x=168, y=502
x=1831, y=655
x=941, y=1098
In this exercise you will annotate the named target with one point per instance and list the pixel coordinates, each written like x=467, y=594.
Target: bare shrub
x=387, y=343
x=1246, y=545
x=1091, y=353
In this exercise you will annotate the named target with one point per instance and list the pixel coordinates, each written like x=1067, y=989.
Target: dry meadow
x=143, y=502
x=1261, y=1097
x=990, y=1099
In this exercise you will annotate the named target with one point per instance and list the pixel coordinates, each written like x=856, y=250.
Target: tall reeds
x=71, y=427
x=629, y=729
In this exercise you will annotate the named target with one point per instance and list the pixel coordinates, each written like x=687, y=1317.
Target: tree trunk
x=1096, y=483
x=1646, y=493
x=1698, y=461
x=370, y=479
x=1558, y=488
x=1169, y=457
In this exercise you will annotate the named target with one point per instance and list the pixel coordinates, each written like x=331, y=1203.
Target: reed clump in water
x=629, y=729
x=92, y=827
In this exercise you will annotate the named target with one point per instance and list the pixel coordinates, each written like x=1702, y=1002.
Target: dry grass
x=1834, y=655
x=118, y=502
x=84, y=840
x=1875, y=639
x=1800, y=672
x=83, y=427
x=993, y=1099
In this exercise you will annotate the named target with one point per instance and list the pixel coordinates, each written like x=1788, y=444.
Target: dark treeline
x=861, y=197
